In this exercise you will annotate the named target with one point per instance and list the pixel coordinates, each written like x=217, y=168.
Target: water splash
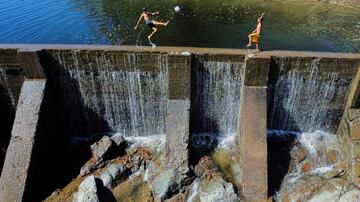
x=154, y=142
x=316, y=143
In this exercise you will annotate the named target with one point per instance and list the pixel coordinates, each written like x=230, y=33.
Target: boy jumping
x=150, y=23
x=255, y=35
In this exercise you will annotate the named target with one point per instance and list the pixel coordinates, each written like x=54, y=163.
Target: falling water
x=216, y=98
x=303, y=98
x=131, y=101
x=5, y=84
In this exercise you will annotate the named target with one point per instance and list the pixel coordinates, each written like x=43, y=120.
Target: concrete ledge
x=15, y=171
x=253, y=143
x=257, y=70
x=176, y=50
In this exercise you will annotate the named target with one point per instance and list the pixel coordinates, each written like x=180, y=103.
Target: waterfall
x=304, y=97
x=6, y=84
x=215, y=98
x=132, y=101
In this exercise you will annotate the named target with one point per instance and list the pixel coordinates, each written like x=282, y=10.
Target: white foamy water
x=316, y=141
x=227, y=141
x=156, y=142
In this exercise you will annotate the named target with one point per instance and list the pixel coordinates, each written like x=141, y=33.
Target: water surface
x=212, y=23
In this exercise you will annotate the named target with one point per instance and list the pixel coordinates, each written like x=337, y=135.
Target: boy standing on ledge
x=150, y=23
x=255, y=35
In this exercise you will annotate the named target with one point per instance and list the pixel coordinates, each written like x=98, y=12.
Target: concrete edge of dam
x=177, y=50
x=256, y=78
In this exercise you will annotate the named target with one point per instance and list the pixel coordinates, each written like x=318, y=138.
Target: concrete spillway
x=179, y=92
x=308, y=94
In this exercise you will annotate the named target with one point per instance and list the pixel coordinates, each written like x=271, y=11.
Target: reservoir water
x=289, y=25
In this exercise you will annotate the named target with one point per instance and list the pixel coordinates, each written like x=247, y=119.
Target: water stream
x=304, y=97
x=215, y=99
x=130, y=100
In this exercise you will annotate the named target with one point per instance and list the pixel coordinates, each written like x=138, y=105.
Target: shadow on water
x=7, y=116
x=279, y=146
x=55, y=160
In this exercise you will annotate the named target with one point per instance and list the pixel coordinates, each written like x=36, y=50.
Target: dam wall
x=308, y=93
x=193, y=96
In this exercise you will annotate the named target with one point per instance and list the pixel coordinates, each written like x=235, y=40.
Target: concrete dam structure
x=54, y=97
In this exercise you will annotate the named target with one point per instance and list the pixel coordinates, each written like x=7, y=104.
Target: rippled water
x=289, y=25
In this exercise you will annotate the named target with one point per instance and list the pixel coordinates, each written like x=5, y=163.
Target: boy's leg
x=160, y=23
x=257, y=47
x=152, y=33
x=249, y=44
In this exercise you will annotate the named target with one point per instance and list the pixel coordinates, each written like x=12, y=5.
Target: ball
x=177, y=9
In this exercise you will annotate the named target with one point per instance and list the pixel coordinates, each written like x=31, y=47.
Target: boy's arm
x=156, y=13
x=138, y=21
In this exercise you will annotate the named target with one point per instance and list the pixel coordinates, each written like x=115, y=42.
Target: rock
x=133, y=189
x=338, y=170
x=306, y=168
x=100, y=149
x=111, y=174
x=297, y=154
x=332, y=155
x=107, y=179
x=352, y=195
x=177, y=198
x=90, y=166
x=165, y=184
x=338, y=183
x=326, y=193
x=216, y=189
x=87, y=191
x=301, y=189
x=118, y=139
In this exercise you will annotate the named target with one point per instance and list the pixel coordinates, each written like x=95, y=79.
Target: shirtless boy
x=150, y=23
x=255, y=35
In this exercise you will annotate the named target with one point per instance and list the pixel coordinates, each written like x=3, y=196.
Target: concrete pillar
x=253, y=143
x=15, y=171
x=252, y=130
x=178, y=112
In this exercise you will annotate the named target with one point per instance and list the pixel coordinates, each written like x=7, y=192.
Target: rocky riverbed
x=317, y=171
x=133, y=169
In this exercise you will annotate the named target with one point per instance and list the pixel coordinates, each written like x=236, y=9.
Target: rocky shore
x=122, y=170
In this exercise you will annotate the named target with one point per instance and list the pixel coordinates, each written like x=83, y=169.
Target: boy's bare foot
x=167, y=23
x=248, y=44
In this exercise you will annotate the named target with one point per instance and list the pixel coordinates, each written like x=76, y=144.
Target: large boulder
x=118, y=139
x=165, y=184
x=88, y=191
x=216, y=189
x=100, y=149
x=111, y=174
x=351, y=195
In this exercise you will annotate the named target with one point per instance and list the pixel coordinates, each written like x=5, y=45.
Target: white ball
x=177, y=9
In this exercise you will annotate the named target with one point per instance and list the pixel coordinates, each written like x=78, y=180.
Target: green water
x=289, y=25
